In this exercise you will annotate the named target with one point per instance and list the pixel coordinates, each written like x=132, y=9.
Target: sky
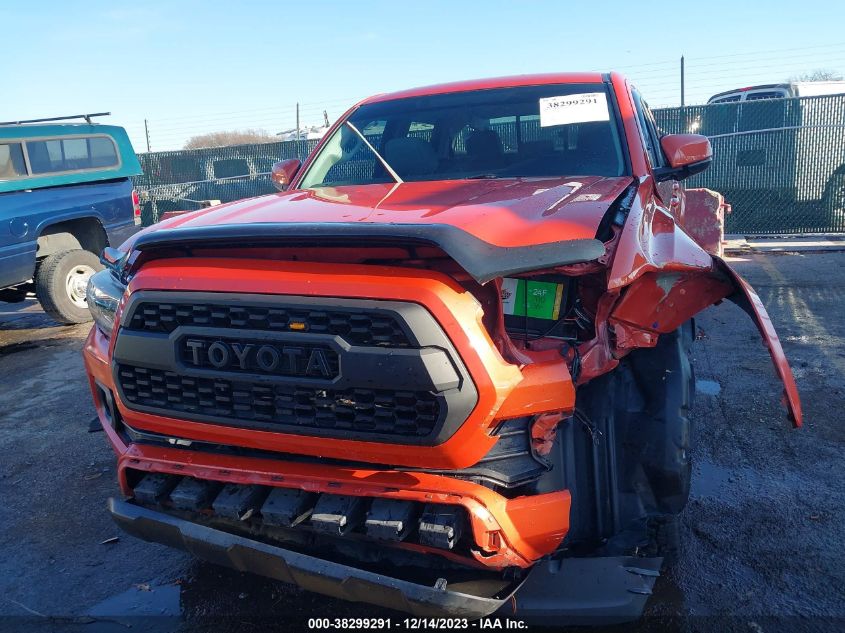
x=189, y=67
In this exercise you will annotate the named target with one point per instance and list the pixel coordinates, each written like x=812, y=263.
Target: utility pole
x=326, y=118
x=682, y=81
x=147, y=133
x=298, y=144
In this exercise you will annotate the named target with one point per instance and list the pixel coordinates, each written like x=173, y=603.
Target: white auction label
x=580, y=108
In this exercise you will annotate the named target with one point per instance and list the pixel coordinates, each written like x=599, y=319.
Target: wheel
x=834, y=202
x=635, y=477
x=666, y=379
x=60, y=283
x=664, y=538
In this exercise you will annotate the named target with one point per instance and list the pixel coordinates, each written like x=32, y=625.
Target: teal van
x=65, y=194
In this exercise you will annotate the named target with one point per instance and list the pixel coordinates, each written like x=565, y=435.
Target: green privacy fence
x=174, y=181
x=779, y=162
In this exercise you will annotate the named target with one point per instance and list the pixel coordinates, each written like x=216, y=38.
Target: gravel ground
x=764, y=534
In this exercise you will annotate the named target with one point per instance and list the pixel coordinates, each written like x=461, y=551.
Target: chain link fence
x=780, y=163
x=189, y=179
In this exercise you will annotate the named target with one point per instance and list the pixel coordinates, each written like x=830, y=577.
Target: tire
x=834, y=202
x=630, y=486
x=670, y=466
x=60, y=282
x=666, y=378
x=664, y=535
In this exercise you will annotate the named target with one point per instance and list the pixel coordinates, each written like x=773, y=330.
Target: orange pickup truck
x=444, y=370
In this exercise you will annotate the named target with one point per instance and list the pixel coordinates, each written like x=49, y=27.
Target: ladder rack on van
x=87, y=118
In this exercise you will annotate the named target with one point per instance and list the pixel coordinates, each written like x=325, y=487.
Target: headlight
x=103, y=295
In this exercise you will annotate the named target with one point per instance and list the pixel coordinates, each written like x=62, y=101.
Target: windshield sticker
x=580, y=108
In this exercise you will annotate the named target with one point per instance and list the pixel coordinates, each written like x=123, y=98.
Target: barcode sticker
x=581, y=108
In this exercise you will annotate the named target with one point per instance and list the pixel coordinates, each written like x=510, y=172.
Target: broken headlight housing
x=104, y=293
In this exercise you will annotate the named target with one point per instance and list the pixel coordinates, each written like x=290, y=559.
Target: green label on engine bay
x=537, y=299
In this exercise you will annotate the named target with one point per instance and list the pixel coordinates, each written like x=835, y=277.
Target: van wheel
x=60, y=283
x=834, y=202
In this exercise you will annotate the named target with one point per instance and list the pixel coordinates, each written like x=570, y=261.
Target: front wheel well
x=86, y=234
x=625, y=456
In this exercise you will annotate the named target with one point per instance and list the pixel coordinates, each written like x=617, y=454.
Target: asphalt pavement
x=764, y=533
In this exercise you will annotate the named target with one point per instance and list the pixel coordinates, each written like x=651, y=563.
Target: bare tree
x=235, y=137
x=820, y=74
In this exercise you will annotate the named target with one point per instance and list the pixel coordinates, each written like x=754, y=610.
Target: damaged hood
x=503, y=212
x=490, y=227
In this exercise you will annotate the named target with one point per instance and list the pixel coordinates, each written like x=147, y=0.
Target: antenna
x=87, y=118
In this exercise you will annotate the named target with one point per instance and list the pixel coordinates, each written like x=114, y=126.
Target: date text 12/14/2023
x=415, y=624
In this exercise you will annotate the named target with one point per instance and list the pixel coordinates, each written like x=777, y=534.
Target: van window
x=762, y=113
x=719, y=117
x=230, y=167
x=71, y=154
x=728, y=99
x=765, y=94
x=12, y=164
x=175, y=168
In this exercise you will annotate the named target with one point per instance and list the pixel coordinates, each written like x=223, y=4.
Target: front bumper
x=506, y=532
x=310, y=573
x=555, y=592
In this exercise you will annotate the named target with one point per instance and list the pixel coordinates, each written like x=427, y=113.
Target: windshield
x=532, y=131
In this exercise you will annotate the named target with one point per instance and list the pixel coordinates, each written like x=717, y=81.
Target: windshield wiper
x=384, y=163
x=482, y=177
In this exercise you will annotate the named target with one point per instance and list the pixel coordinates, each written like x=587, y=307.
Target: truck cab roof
x=780, y=90
x=511, y=81
x=37, y=155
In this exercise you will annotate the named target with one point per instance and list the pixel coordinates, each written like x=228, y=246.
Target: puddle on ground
x=711, y=479
x=736, y=484
x=147, y=607
x=707, y=387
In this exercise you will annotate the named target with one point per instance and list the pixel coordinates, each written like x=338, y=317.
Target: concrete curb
x=738, y=244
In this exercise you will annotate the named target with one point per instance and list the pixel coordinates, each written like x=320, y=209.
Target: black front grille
x=358, y=410
x=356, y=327
x=358, y=369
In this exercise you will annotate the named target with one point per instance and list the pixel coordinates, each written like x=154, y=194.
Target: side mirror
x=687, y=154
x=283, y=172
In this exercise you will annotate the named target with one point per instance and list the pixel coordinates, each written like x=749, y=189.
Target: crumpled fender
x=660, y=302
x=659, y=278
x=747, y=299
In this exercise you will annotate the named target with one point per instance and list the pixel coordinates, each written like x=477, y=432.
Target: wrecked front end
x=406, y=414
